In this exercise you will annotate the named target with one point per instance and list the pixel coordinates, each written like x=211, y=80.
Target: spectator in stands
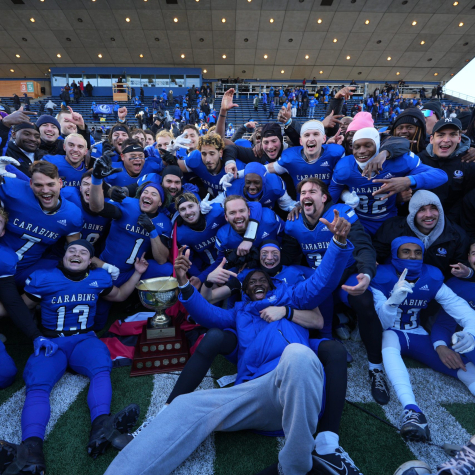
x=255, y=103
x=16, y=102
x=89, y=87
x=50, y=106
x=271, y=110
x=142, y=94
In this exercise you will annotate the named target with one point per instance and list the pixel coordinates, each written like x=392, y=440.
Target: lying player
x=68, y=296
x=404, y=336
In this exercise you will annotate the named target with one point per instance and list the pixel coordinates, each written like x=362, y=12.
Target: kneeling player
x=68, y=296
x=404, y=336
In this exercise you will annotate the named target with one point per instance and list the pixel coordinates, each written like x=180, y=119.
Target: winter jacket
x=260, y=344
x=461, y=177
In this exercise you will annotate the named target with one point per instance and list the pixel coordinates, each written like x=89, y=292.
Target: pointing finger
x=336, y=213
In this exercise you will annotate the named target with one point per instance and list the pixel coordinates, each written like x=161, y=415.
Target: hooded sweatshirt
x=461, y=177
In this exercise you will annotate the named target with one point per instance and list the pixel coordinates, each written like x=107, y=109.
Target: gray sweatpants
x=289, y=397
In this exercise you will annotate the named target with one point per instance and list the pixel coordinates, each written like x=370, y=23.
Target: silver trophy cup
x=159, y=294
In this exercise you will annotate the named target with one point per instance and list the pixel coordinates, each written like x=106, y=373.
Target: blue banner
x=104, y=109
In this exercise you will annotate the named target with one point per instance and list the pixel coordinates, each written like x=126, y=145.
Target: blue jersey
x=424, y=290
x=195, y=164
x=126, y=239
x=124, y=179
x=270, y=227
x=30, y=231
x=372, y=211
x=96, y=152
x=8, y=261
x=298, y=168
x=71, y=176
x=94, y=226
x=273, y=188
x=67, y=305
x=314, y=243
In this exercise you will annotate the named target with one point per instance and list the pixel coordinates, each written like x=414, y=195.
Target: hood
x=461, y=149
x=423, y=198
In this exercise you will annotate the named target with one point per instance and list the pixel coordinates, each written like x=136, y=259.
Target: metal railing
x=250, y=88
x=458, y=95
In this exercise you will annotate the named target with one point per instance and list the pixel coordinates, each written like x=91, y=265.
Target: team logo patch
x=63, y=222
x=325, y=164
x=264, y=235
x=388, y=176
x=325, y=228
x=215, y=225
x=424, y=287
x=94, y=284
x=458, y=174
x=441, y=251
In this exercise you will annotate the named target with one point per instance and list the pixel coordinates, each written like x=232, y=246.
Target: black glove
x=118, y=193
x=103, y=166
x=145, y=222
x=168, y=157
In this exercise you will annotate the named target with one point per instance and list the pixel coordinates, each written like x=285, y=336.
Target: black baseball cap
x=449, y=122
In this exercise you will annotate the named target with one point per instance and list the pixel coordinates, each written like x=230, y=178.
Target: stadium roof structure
x=422, y=40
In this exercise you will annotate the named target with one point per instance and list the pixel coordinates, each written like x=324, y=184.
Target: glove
x=118, y=193
x=103, y=166
x=350, y=199
x=226, y=180
x=4, y=161
x=400, y=290
x=49, y=345
x=463, y=342
x=169, y=158
x=145, y=222
x=205, y=205
x=179, y=142
x=113, y=270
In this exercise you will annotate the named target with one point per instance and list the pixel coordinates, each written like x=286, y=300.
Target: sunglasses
x=428, y=113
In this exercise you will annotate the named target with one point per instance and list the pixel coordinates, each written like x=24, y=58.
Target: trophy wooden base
x=160, y=332
x=160, y=355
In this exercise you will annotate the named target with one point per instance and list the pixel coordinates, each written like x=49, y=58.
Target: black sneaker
x=336, y=463
x=25, y=458
x=414, y=426
x=379, y=386
x=113, y=429
x=462, y=464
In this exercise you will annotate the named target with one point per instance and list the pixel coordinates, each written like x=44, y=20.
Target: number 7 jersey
x=30, y=231
x=68, y=305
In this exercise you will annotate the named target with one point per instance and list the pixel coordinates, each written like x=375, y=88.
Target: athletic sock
x=100, y=395
x=468, y=377
x=326, y=442
x=373, y=366
x=413, y=407
x=35, y=414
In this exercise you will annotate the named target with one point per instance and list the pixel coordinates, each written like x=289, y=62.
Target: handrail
x=464, y=97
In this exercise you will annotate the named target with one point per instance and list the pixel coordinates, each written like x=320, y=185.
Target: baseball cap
x=449, y=122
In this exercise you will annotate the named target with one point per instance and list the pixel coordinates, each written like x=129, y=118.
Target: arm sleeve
x=396, y=146
x=386, y=313
x=364, y=254
x=457, y=308
x=313, y=291
x=233, y=152
x=292, y=252
x=428, y=177
x=443, y=329
x=286, y=202
x=86, y=134
x=279, y=169
x=335, y=190
x=293, y=132
x=17, y=309
x=239, y=133
x=335, y=105
x=207, y=315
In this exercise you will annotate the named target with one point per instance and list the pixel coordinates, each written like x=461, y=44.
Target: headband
x=312, y=125
x=133, y=148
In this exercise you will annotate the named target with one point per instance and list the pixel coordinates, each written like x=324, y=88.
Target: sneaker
x=335, y=463
x=355, y=334
x=462, y=464
x=414, y=426
x=379, y=386
x=27, y=457
x=343, y=332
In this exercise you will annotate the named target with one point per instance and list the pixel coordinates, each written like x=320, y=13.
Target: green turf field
x=375, y=447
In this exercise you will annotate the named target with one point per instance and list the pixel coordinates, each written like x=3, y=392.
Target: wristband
x=289, y=313
x=184, y=285
x=96, y=181
x=208, y=284
x=221, y=115
x=288, y=122
x=338, y=243
x=251, y=230
x=153, y=234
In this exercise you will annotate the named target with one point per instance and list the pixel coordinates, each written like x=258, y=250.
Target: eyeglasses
x=428, y=113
